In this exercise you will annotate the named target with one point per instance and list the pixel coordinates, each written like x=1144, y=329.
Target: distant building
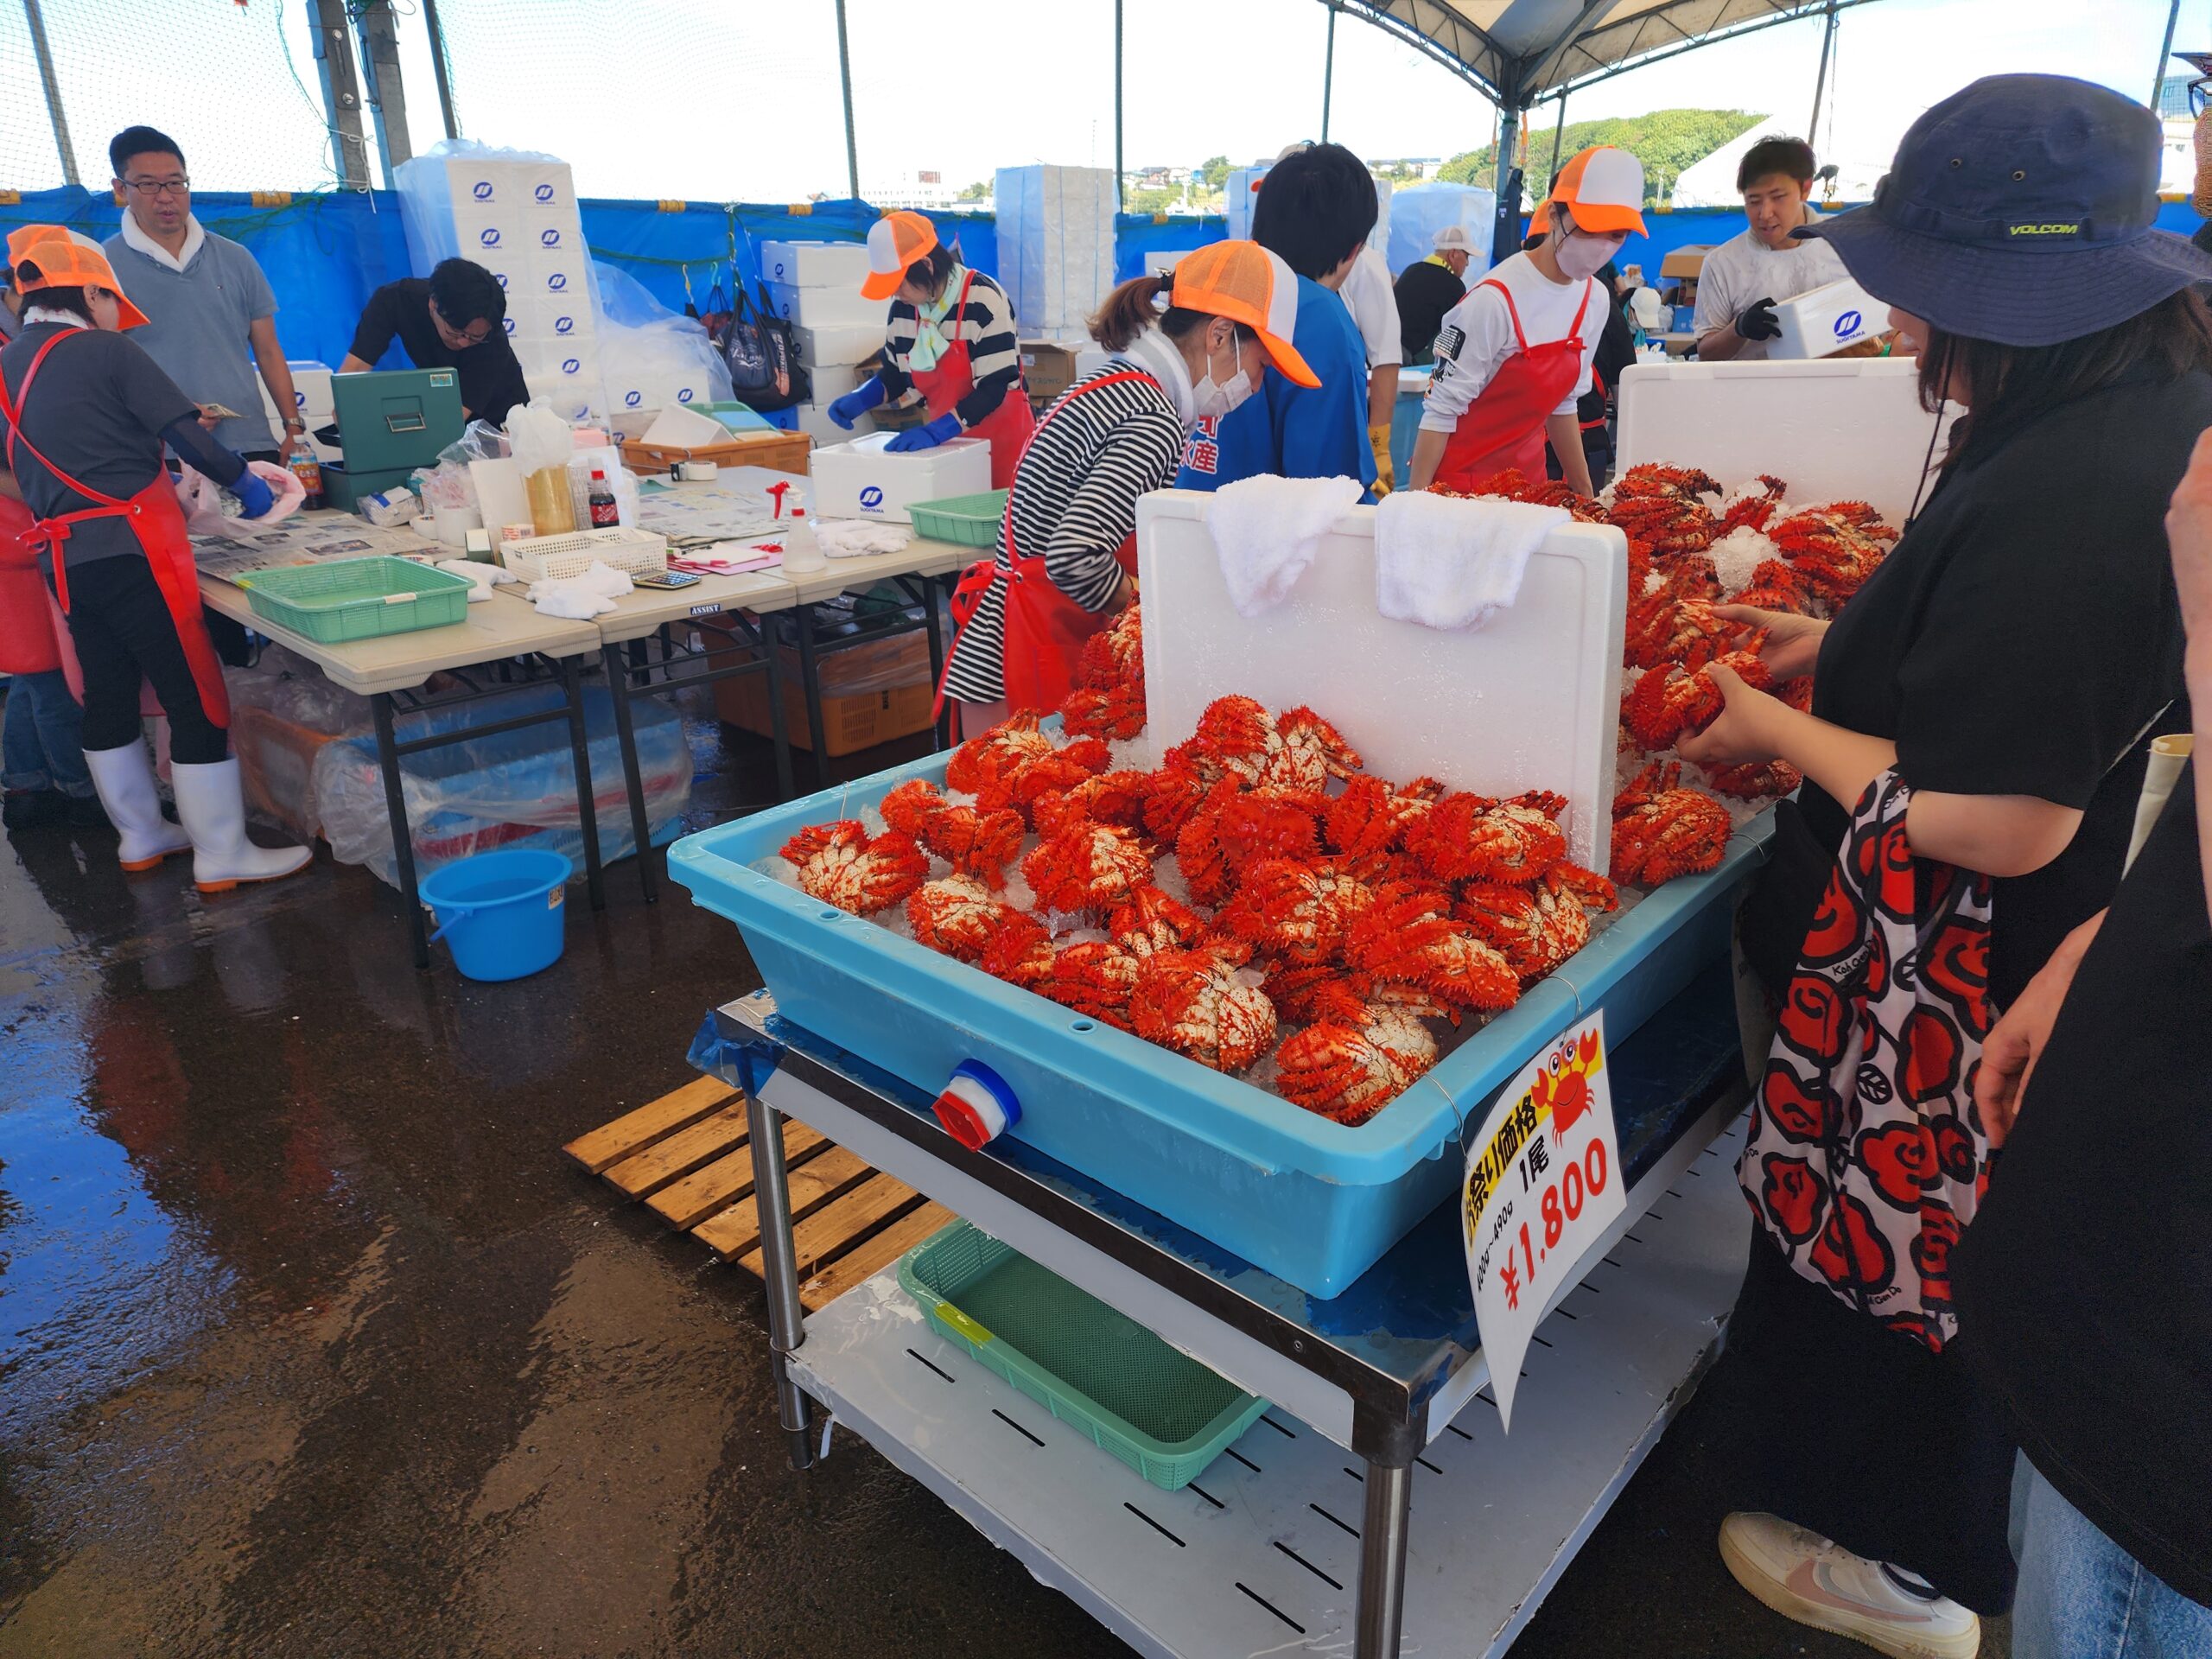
x=919, y=190
x=2173, y=98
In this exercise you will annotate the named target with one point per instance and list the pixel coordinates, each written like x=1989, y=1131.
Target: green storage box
x=344, y=489
x=1159, y=1411
x=969, y=520
x=358, y=598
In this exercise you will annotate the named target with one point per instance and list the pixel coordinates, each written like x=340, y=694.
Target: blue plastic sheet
x=1137, y=234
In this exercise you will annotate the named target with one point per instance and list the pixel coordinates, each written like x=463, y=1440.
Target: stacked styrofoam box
x=312, y=402
x=815, y=287
x=1236, y=200
x=519, y=219
x=1056, y=245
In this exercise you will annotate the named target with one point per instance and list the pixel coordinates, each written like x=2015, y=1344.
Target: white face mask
x=1217, y=397
x=1581, y=255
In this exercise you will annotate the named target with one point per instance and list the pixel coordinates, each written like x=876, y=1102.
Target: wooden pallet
x=687, y=1157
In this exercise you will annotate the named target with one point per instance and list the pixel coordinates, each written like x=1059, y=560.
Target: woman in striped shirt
x=1189, y=344
x=950, y=337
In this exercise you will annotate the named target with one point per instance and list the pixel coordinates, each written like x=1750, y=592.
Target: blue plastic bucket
x=500, y=913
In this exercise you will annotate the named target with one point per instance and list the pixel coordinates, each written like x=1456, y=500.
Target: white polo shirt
x=1744, y=270
x=1373, y=302
x=1477, y=336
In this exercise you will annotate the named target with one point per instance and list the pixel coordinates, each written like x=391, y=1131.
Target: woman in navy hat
x=1982, y=716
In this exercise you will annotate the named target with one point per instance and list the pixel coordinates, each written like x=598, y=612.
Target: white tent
x=1711, y=182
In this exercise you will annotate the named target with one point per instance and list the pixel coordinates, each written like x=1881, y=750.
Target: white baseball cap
x=1452, y=238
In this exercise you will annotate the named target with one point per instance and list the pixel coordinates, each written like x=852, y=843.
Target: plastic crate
x=358, y=598
x=969, y=520
x=1159, y=1411
x=553, y=558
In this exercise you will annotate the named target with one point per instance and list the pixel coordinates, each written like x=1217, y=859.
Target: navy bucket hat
x=2020, y=211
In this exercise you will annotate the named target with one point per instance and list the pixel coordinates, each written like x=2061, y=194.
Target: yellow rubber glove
x=1378, y=438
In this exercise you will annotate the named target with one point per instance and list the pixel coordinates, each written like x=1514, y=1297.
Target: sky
x=739, y=99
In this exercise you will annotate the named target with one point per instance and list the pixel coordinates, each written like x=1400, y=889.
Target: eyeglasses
x=160, y=187
x=463, y=335
x=2198, y=89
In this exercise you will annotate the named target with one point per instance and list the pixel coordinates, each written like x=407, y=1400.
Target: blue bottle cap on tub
x=976, y=1106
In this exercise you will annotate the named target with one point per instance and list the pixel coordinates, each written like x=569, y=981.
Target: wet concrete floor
x=311, y=1343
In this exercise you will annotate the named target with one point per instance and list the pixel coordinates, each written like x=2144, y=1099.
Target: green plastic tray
x=1160, y=1412
x=971, y=520
x=740, y=419
x=358, y=598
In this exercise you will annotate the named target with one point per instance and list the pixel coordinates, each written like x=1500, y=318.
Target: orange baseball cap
x=894, y=242
x=66, y=259
x=1249, y=284
x=1602, y=189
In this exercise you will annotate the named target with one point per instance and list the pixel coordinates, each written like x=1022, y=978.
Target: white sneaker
x=211, y=801
x=1804, y=1577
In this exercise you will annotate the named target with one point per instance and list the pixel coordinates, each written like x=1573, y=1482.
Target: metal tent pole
x=1329, y=72
x=36, y=19
x=2158, y=81
x=1820, y=81
x=439, y=71
x=1118, y=203
x=387, y=92
x=1505, y=232
x=845, y=81
x=341, y=93
x=1559, y=132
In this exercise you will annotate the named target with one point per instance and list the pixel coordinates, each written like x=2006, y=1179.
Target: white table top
x=920, y=557
x=492, y=630
x=638, y=613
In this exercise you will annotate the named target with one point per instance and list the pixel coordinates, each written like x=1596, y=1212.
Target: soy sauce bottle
x=604, y=513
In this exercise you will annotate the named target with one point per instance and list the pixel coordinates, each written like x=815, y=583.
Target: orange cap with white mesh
x=894, y=242
x=65, y=259
x=1603, y=189
x=1249, y=284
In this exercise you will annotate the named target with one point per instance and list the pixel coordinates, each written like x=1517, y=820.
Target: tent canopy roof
x=1519, y=51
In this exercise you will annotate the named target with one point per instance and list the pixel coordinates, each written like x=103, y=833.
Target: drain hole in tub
x=1082, y=1025
x=831, y=915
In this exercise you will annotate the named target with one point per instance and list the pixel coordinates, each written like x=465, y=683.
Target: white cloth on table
x=856, y=539
x=1267, y=530
x=1450, y=564
x=580, y=598
x=482, y=577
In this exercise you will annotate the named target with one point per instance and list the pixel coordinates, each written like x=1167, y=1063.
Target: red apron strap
x=1117, y=377
x=1574, y=329
x=1512, y=311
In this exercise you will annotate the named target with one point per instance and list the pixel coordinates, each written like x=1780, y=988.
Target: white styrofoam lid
x=875, y=444
x=1530, y=700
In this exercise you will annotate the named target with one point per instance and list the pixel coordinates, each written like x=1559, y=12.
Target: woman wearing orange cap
x=1514, y=355
x=1189, y=344
x=950, y=338
x=85, y=442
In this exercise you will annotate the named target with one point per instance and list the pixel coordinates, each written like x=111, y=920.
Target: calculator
x=668, y=579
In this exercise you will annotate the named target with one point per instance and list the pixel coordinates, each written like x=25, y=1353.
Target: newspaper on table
x=307, y=539
x=715, y=531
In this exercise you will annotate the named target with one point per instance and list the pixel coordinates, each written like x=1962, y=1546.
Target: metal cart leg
x=809, y=680
x=403, y=842
x=626, y=737
x=1383, y=1560
x=784, y=789
x=586, y=815
x=772, y=1205
x=928, y=585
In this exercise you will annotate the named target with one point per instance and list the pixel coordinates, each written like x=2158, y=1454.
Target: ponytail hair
x=1133, y=307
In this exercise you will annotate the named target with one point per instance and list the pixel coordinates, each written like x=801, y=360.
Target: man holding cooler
x=1746, y=276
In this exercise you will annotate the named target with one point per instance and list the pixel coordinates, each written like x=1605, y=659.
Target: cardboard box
x=779, y=452
x=854, y=720
x=860, y=480
x=1686, y=261
x=815, y=264
x=1049, y=367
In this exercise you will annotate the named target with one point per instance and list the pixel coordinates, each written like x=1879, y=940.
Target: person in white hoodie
x=211, y=315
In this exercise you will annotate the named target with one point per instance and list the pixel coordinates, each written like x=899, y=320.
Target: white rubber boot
x=212, y=802
x=124, y=778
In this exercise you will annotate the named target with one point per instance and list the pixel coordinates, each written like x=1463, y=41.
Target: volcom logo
x=871, y=500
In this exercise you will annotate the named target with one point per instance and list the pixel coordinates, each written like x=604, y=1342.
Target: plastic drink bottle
x=605, y=515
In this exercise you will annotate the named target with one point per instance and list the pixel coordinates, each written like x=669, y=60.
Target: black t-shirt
x=2022, y=636
x=1425, y=292
x=97, y=408
x=491, y=378
x=2084, y=1286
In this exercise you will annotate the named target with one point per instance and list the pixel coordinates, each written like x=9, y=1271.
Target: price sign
x=1542, y=1182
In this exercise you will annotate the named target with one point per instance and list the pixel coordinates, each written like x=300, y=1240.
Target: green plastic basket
x=358, y=598
x=1160, y=1412
x=741, y=420
x=969, y=520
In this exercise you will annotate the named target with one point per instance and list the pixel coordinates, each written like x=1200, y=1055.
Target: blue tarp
x=324, y=253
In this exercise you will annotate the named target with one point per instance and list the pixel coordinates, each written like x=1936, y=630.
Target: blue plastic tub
x=500, y=913
x=1312, y=1202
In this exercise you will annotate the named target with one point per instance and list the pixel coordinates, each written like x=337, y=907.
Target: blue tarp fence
x=325, y=253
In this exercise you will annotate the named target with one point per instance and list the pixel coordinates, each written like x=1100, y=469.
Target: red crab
x=1662, y=830
x=1755, y=782
x=1172, y=793
x=1192, y=1001
x=1085, y=867
x=1776, y=587
x=1754, y=510
x=1659, y=506
x=840, y=865
x=1367, y=824
x=1148, y=919
x=1019, y=951
x=1093, y=979
x=1116, y=797
x=1473, y=837
x=1114, y=655
x=1664, y=629
x=1295, y=910
x=1113, y=711
x=1309, y=992
x=1020, y=786
x=992, y=757
x=1407, y=937
x=978, y=842
x=1835, y=548
x=956, y=914
x=1349, y=1070
x=1663, y=704
x=1235, y=829
x=1310, y=753
x=1536, y=928
x=1236, y=737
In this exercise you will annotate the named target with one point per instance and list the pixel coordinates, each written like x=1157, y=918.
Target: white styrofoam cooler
x=814, y=420
x=826, y=307
x=311, y=394
x=1528, y=701
x=815, y=264
x=1849, y=428
x=831, y=381
x=1824, y=320
x=820, y=344
x=859, y=480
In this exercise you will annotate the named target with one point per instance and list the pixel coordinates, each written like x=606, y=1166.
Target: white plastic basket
x=551, y=558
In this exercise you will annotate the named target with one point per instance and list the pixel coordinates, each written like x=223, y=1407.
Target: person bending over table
x=1980, y=724
x=85, y=414
x=450, y=320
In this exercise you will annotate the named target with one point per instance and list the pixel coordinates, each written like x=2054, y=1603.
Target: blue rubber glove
x=253, y=495
x=927, y=435
x=856, y=402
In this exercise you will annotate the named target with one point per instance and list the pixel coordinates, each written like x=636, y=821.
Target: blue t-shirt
x=1290, y=430
x=196, y=326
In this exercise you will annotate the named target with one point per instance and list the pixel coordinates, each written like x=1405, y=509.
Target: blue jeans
x=41, y=737
x=2083, y=1597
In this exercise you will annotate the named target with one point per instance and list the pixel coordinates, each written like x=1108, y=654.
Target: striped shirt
x=985, y=321
x=1074, y=503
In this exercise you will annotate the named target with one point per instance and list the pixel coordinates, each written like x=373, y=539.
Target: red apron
x=1504, y=426
x=27, y=644
x=1043, y=629
x=157, y=519
x=1006, y=429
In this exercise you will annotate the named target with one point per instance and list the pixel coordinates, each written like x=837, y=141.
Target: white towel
x=483, y=577
x=1266, y=530
x=856, y=539
x=582, y=597
x=1448, y=564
